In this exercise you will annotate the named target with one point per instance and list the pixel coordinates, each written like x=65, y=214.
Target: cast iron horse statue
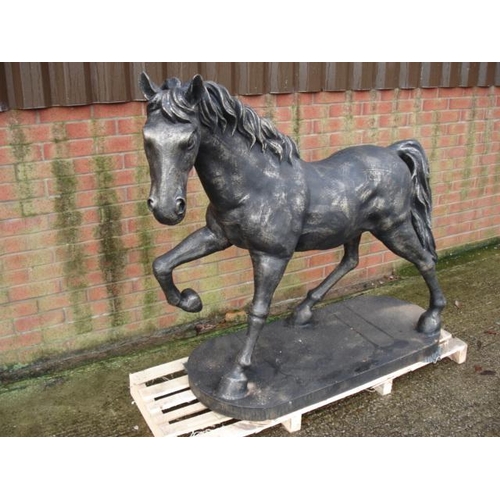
x=266, y=199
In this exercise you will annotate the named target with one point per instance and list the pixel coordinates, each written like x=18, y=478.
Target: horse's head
x=171, y=141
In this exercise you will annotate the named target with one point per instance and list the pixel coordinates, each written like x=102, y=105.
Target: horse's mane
x=218, y=108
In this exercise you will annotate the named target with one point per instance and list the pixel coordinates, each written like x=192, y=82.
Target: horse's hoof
x=190, y=301
x=301, y=317
x=429, y=324
x=233, y=385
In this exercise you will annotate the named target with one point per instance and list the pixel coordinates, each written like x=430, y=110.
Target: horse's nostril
x=180, y=206
x=151, y=204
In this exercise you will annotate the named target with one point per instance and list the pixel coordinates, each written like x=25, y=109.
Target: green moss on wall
x=112, y=255
x=470, y=142
x=436, y=132
x=373, y=128
x=270, y=110
x=296, y=120
x=22, y=151
x=396, y=116
x=112, y=258
x=146, y=242
x=68, y=223
x=348, y=128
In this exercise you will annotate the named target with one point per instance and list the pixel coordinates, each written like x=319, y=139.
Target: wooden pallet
x=170, y=409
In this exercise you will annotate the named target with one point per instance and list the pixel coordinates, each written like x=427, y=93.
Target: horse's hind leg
x=403, y=241
x=303, y=312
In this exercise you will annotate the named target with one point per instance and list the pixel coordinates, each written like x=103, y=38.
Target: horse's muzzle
x=168, y=217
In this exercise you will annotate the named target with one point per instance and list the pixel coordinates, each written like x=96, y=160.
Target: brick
x=21, y=309
x=79, y=130
x=46, y=272
x=362, y=122
x=361, y=95
x=51, y=318
x=38, y=133
x=283, y=115
x=29, y=339
x=56, y=333
x=130, y=126
x=120, y=144
x=336, y=110
x=63, y=114
x=6, y=118
x=6, y=156
x=461, y=103
x=449, y=117
x=379, y=107
x=51, y=302
x=327, y=126
x=83, y=165
x=114, y=110
x=6, y=330
x=8, y=192
x=34, y=290
x=328, y=97
x=9, y=210
x=312, y=142
x=137, y=159
x=255, y=101
x=451, y=92
x=103, y=128
x=7, y=175
x=310, y=112
x=75, y=148
x=456, y=128
x=435, y=104
x=18, y=117
x=97, y=293
x=27, y=324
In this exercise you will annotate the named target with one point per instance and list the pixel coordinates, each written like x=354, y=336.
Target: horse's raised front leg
x=198, y=244
x=303, y=312
x=268, y=271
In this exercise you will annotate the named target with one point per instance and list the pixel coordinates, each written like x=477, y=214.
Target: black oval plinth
x=350, y=343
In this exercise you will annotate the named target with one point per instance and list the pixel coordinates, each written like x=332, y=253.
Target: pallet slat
x=196, y=424
x=158, y=371
x=173, y=401
x=186, y=411
x=164, y=388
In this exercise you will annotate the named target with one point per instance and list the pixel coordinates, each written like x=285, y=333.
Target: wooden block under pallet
x=170, y=409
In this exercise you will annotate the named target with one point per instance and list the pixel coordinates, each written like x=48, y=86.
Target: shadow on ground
x=444, y=399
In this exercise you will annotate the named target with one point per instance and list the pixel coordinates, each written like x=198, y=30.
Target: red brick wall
x=77, y=243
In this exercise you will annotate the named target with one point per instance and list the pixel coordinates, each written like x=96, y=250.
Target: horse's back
x=354, y=190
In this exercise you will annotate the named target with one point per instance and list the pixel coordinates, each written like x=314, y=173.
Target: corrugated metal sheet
x=43, y=84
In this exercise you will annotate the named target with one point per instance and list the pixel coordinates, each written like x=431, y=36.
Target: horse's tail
x=413, y=154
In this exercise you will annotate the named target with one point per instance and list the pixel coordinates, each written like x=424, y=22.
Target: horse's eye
x=191, y=141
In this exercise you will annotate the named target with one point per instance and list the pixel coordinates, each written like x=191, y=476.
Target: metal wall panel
x=251, y=78
x=29, y=85
x=310, y=76
x=336, y=76
x=282, y=77
x=70, y=84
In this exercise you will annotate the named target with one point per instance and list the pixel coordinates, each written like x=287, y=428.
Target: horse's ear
x=196, y=90
x=149, y=88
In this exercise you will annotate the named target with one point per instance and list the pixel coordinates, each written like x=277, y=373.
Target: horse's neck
x=226, y=167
